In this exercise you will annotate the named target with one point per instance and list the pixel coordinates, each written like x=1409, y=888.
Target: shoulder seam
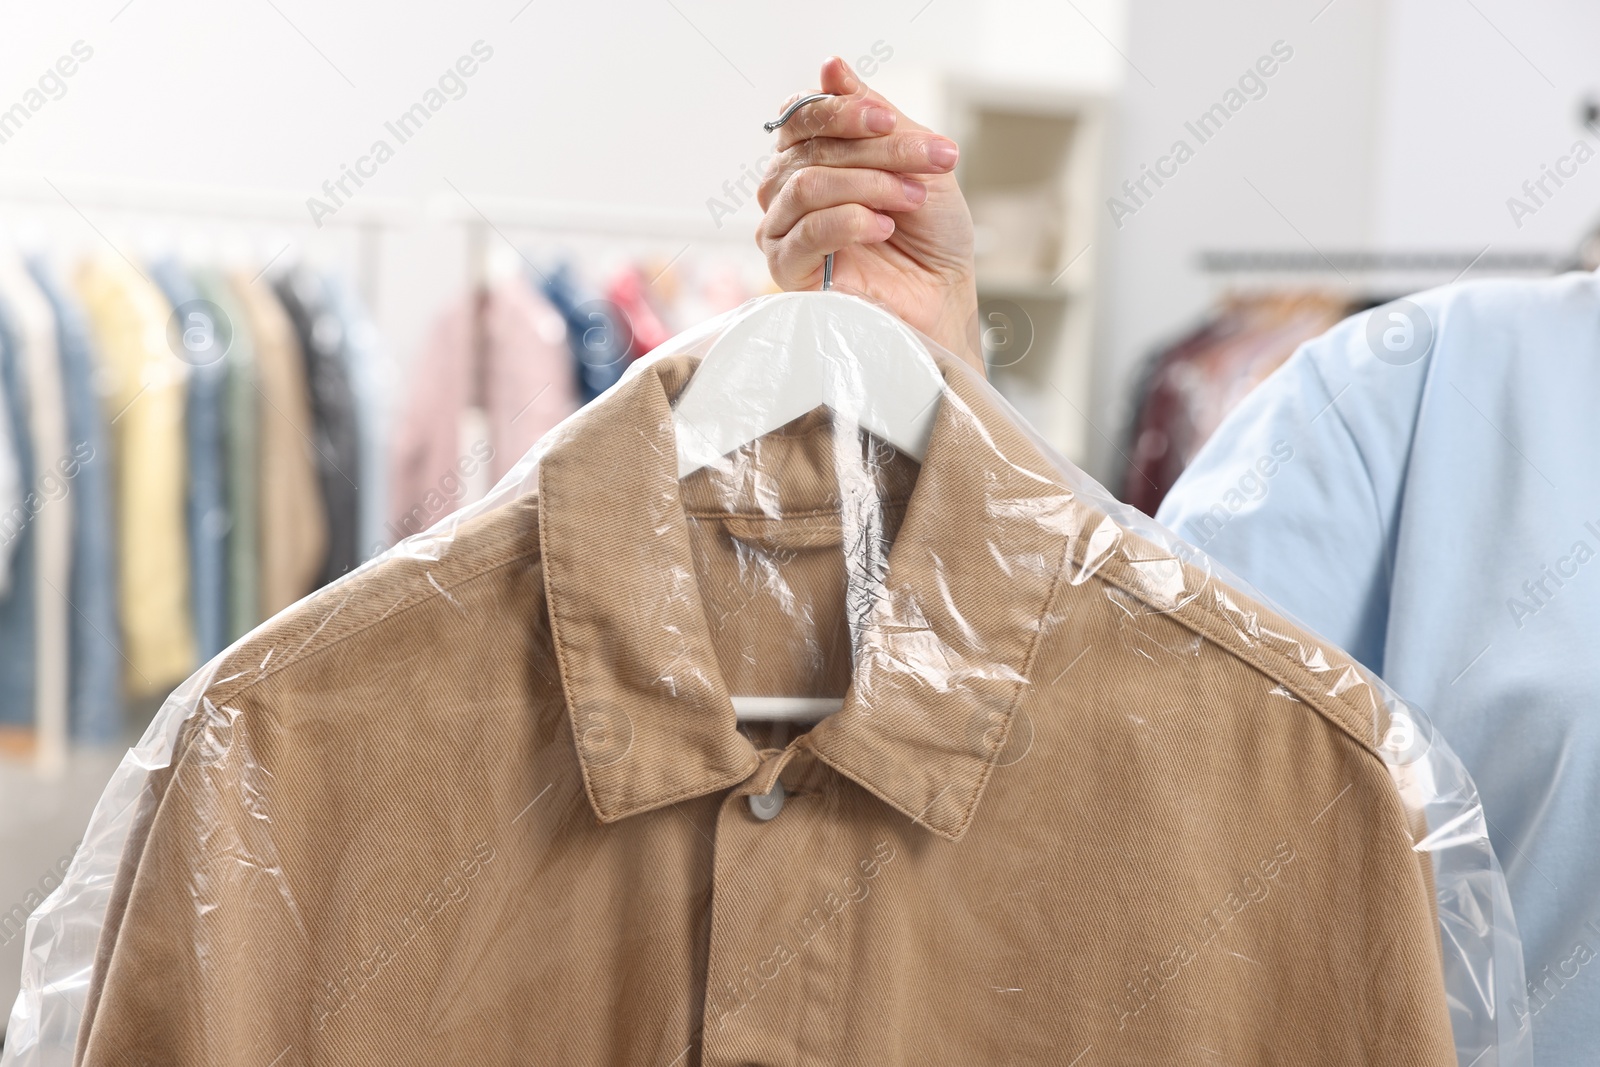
x=307, y=652
x=1190, y=614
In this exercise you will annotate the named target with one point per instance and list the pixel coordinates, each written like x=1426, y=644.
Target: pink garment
x=627, y=291
x=528, y=384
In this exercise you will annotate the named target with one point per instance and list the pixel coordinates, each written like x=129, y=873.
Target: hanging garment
x=95, y=699
x=333, y=410
x=694, y=292
x=241, y=408
x=13, y=510
x=19, y=633
x=1078, y=794
x=144, y=404
x=598, y=336
x=1429, y=500
x=203, y=420
x=527, y=382
x=629, y=292
x=1194, y=383
x=293, y=533
x=55, y=465
x=372, y=384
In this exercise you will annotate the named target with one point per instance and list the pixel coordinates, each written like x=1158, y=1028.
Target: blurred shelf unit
x=1030, y=168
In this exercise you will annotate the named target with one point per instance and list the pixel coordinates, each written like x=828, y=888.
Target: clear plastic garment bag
x=812, y=710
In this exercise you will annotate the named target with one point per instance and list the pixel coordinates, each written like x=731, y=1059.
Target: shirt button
x=767, y=807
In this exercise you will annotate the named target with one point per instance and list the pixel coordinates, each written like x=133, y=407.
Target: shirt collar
x=943, y=661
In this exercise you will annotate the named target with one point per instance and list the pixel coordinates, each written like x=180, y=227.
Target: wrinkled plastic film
x=977, y=815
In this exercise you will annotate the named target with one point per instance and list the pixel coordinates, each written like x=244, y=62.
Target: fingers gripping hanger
x=771, y=127
x=788, y=355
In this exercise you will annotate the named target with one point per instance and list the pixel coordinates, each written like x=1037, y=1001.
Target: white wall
x=1306, y=147
x=1473, y=119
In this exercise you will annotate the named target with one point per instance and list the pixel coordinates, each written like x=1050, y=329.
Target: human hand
x=855, y=177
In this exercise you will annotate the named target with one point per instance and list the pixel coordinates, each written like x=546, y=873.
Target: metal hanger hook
x=788, y=113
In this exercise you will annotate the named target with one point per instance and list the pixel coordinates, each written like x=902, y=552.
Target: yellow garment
x=293, y=534
x=143, y=396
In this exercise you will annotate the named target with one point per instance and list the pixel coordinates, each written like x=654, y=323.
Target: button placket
x=748, y=988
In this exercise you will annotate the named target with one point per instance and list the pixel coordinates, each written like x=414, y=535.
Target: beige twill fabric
x=1083, y=804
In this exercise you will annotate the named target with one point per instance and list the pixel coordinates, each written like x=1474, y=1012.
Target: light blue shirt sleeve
x=1296, y=492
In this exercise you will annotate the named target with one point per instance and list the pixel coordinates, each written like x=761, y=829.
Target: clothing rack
x=1302, y=261
x=1266, y=301
x=34, y=208
x=1347, y=265
x=518, y=214
x=192, y=200
x=482, y=218
x=368, y=217
x=493, y=225
x=1369, y=276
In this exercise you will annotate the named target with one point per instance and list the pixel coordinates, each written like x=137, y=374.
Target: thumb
x=838, y=78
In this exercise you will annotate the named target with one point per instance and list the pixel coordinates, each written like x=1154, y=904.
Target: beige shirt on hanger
x=490, y=805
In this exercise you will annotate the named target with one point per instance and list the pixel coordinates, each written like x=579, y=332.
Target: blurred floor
x=40, y=822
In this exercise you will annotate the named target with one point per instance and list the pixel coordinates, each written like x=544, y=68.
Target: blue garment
x=95, y=708
x=18, y=608
x=371, y=383
x=12, y=490
x=207, y=513
x=596, y=332
x=1439, y=517
x=304, y=296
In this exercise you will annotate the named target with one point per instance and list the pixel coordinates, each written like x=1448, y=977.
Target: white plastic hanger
x=793, y=354
x=796, y=353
